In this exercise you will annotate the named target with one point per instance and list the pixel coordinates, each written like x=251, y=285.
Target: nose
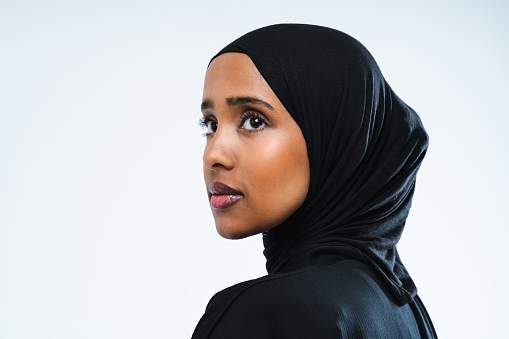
x=219, y=151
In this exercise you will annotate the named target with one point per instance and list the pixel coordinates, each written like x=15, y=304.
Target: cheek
x=278, y=175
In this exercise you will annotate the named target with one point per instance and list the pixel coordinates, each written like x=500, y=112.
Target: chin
x=228, y=233
x=235, y=232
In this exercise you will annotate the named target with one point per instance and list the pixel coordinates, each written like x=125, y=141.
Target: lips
x=223, y=196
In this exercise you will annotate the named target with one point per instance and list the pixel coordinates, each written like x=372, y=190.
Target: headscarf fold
x=364, y=145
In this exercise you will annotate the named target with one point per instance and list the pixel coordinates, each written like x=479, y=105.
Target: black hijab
x=364, y=144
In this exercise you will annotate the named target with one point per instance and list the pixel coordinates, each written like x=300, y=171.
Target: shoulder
x=285, y=305
x=233, y=311
x=341, y=299
x=349, y=276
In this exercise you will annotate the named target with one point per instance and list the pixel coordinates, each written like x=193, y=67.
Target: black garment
x=333, y=264
x=335, y=297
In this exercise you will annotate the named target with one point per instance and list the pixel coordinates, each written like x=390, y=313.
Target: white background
x=105, y=229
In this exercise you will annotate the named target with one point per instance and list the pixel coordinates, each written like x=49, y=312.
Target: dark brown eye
x=253, y=123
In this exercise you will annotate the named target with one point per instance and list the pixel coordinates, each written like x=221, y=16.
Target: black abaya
x=334, y=297
x=334, y=271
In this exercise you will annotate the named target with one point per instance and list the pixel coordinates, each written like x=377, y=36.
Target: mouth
x=222, y=195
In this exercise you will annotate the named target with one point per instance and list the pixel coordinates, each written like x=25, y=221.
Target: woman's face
x=255, y=162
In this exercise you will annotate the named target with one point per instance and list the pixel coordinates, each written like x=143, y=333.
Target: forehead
x=234, y=74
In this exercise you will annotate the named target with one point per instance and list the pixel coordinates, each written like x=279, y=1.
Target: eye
x=209, y=125
x=253, y=121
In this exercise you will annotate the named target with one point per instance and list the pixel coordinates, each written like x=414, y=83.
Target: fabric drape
x=365, y=146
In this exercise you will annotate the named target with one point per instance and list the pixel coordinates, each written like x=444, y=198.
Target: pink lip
x=223, y=195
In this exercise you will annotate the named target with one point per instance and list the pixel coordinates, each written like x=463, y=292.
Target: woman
x=307, y=144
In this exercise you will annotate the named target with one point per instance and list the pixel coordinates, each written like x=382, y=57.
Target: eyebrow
x=234, y=101
x=206, y=104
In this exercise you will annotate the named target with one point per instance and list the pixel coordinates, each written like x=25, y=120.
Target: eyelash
x=203, y=121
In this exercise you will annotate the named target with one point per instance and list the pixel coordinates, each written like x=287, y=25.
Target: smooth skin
x=253, y=145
